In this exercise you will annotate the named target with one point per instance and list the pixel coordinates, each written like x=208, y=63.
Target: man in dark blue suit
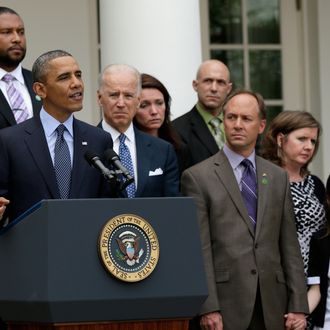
x=153, y=160
x=28, y=150
x=12, y=53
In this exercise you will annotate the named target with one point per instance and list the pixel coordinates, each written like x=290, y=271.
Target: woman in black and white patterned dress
x=308, y=197
x=291, y=142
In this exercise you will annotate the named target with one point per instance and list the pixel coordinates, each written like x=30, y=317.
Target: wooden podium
x=53, y=276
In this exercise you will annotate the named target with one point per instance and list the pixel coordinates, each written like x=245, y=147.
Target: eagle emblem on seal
x=128, y=243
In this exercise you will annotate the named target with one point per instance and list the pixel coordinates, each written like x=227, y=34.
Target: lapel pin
x=84, y=143
x=264, y=179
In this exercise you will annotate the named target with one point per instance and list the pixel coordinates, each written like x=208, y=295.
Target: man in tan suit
x=253, y=263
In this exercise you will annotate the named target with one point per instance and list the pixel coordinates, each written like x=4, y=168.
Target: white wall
x=70, y=25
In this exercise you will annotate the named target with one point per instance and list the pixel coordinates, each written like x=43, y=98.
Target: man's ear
x=194, y=85
x=262, y=126
x=40, y=89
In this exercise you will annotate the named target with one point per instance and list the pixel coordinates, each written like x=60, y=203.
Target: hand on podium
x=3, y=203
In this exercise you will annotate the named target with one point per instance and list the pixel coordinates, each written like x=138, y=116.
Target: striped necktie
x=16, y=100
x=249, y=189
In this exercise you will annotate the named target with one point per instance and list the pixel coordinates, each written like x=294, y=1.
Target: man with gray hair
x=150, y=161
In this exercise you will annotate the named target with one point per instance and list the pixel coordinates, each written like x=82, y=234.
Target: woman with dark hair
x=153, y=116
x=319, y=272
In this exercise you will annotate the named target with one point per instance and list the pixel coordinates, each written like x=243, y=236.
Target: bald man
x=196, y=128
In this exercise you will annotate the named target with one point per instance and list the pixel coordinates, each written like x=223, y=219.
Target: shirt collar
x=50, y=124
x=130, y=136
x=235, y=159
x=17, y=73
x=205, y=114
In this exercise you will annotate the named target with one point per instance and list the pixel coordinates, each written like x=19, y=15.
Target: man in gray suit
x=253, y=263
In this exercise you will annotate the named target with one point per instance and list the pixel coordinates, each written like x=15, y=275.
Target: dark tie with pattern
x=15, y=99
x=62, y=163
x=249, y=189
x=126, y=159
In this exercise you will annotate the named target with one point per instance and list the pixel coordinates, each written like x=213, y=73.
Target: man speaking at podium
x=43, y=157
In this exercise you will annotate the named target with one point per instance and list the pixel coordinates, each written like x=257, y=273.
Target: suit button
x=256, y=246
x=253, y=271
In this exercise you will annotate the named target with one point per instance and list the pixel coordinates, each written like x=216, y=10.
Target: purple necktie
x=15, y=99
x=126, y=159
x=249, y=189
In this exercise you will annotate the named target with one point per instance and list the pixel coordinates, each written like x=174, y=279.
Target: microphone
x=96, y=162
x=113, y=158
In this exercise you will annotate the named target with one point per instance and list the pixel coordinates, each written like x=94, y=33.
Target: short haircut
x=41, y=65
x=6, y=10
x=112, y=68
x=257, y=96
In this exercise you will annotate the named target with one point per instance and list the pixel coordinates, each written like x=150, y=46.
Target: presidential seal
x=129, y=247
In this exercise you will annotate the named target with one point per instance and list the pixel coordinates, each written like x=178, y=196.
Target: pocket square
x=157, y=171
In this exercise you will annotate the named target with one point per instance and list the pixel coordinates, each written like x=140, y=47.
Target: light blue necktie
x=62, y=163
x=249, y=189
x=126, y=159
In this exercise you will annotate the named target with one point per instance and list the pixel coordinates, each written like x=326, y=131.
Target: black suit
x=196, y=135
x=6, y=114
x=27, y=174
x=319, y=255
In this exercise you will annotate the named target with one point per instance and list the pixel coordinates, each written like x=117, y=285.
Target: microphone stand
x=122, y=181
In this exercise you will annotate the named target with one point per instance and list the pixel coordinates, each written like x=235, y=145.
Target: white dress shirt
x=129, y=141
x=19, y=84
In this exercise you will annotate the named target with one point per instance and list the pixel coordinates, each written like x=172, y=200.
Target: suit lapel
x=80, y=165
x=5, y=110
x=36, y=143
x=263, y=177
x=202, y=132
x=143, y=150
x=226, y=175
x=36, y=103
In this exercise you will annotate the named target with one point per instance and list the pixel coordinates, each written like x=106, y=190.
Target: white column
x=158, y=37
x=324, y=65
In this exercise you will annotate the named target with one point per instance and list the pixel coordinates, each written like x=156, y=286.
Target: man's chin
x=212, y=105
x=12, y=61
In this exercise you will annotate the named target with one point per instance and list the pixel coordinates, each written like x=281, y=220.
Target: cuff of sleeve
x=313, y=280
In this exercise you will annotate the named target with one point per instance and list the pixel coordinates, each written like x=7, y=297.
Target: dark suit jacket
x=196, y=135
x=6, y=114
x=239, y=258
x=153, y=153
x=27, y=174
x=319, y=255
